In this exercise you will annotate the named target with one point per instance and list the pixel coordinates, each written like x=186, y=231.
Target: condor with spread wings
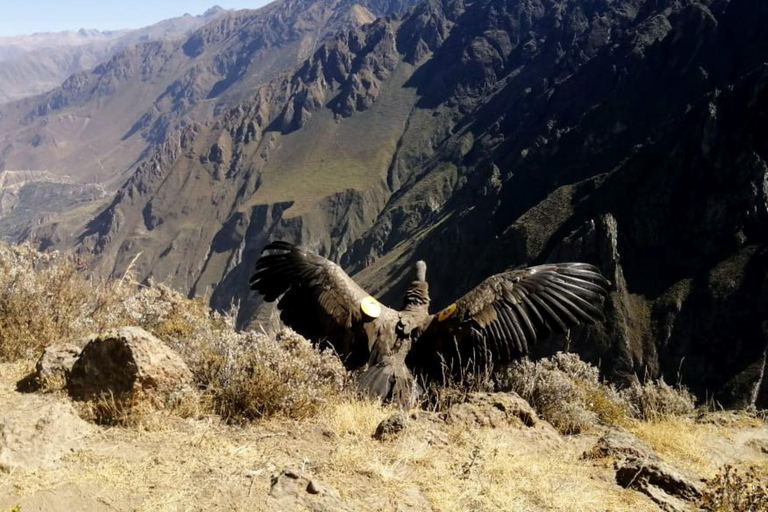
x=495, y=322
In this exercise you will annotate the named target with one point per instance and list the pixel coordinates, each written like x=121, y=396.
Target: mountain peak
x=213, y=11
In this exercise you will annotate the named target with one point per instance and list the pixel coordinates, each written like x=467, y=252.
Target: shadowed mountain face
x=477, y=136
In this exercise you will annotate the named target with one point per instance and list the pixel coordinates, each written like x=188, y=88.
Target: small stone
x=313, y=487
x=52, y=369
x=390, y=427
x=291, y=490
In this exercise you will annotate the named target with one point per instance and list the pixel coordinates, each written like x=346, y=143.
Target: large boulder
x=38, y=433
x=127, y=360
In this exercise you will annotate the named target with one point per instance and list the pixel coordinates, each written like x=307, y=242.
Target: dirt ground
x=201, y=464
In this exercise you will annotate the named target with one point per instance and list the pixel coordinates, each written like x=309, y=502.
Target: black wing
x=317, y=299
x=500, y=318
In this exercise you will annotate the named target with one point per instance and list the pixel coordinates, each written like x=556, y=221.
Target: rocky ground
x=491, y=453
x=182, y=411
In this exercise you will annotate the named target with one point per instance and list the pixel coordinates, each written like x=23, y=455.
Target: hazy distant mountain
x=37, y=63
x=475, y=135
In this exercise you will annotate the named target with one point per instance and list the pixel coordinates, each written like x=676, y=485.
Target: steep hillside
x=35, y=64
x=478, y=136
x=100, y=124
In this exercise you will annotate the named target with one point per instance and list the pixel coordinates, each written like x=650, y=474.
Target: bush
x=45, y=300
x=656, y=400
x=569, y=394
x=42, y=300
x=735, y=491
x=565, y=391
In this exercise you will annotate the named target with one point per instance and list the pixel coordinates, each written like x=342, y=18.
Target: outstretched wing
x=501, y=317
x=317, y=299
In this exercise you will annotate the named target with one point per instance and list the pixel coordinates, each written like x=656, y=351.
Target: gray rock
x=53, y=367
x=621, y=445
x=669, y=487
x=638, y=467
x=126, y=360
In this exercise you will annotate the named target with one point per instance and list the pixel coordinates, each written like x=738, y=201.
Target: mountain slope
x=100, y=124
x=36, y=64
x=483, y=135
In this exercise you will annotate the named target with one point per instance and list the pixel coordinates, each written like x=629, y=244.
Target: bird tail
x=390, y=381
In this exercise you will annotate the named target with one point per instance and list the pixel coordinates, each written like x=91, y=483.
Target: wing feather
x=511, y=311
x=316, y=298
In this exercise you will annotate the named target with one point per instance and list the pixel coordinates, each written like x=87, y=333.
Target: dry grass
x=241, y=376
x=200, y=464
x=702, y=445
x=458, y=468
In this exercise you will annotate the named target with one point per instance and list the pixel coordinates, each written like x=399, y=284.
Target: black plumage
x=496, y=322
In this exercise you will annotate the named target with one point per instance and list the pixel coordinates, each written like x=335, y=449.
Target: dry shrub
x=144, y=410
x=655, y=400
x=44, y=300
x=251, y=375
x=129, y=410
x=735, y=491
x=568, y=393
x=565, y=391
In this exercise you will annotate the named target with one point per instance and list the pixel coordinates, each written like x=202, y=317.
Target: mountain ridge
x=34, y=64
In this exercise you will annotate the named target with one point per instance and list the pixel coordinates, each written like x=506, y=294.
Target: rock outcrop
x=127, y=360
x=639, y=468
x=39, y=433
